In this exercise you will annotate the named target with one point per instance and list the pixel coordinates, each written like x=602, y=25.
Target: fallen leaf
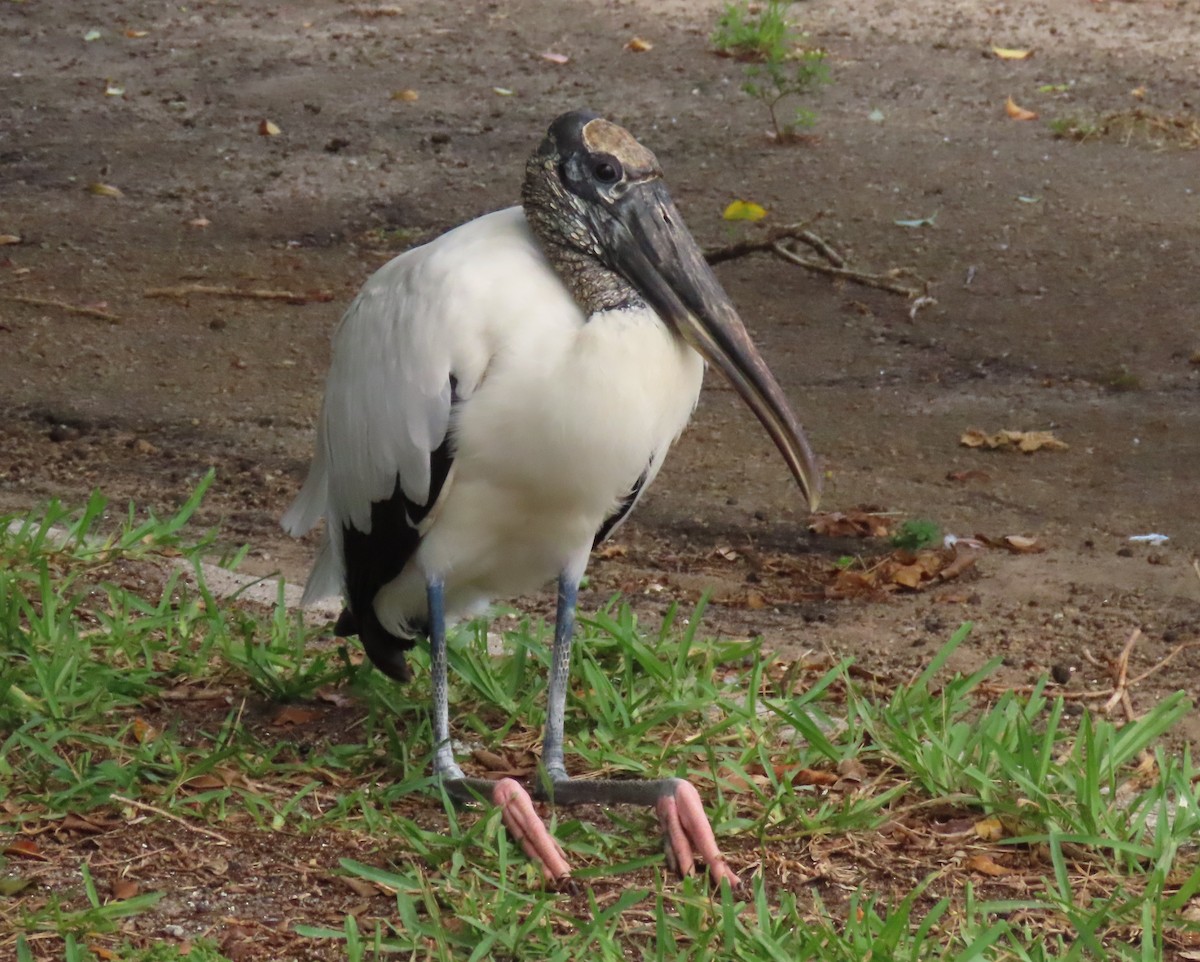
x=295, y=715
x=268, y=129
x=124, y=888
x=1024, y=441
x=755, y=600
x=744, y=210
x=1019, y=544
x=206, y=783
x=1011, y=53
x=143, y=731
x=137, y=34
x=1018, y=113
x=359, y=886
x=1138, y=92
x=852, y=770
x=986, y=865
x=199, y=222
x=609, y=551
x=856, y=523
x=989, y=829
x=638, y=45
x=9, y=239
x=805, y=776
x=25, y=848
x=104, y=190
x=725, y=552
x=334, y=697
x=407, y=96
x=558, y=58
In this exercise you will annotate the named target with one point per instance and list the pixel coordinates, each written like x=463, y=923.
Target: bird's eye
x=606, y=172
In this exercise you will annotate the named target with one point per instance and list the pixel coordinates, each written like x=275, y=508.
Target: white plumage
x=558, y=417
x=498, y=401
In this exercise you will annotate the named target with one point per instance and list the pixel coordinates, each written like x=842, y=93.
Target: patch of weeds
x=781, y=68
x=800, y=766
x=916, y=534
x=1120, y=380
x=1139, y=126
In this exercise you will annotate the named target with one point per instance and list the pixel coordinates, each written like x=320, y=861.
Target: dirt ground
x=1066, y=276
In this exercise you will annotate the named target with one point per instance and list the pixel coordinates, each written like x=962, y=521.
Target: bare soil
x=1066, y=275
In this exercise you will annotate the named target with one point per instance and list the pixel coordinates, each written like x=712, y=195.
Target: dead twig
x=884, y=282
x=100, y=315
x=1120, y=668
x=831, y=262
x=198, y=829
x=213, y=290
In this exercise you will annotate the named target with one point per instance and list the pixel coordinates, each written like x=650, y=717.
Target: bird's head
x=596, y=200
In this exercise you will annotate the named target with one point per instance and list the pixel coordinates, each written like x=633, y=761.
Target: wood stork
x=499, y=399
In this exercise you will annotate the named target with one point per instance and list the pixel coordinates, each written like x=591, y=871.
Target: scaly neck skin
x=571, y=250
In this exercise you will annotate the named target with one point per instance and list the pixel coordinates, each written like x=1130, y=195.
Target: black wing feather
x=623, y=509
x=375, y=558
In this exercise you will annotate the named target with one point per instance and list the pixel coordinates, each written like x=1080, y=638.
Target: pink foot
x=687, y=833
x=523, y=822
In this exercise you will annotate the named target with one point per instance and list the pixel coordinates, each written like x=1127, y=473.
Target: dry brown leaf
x=295, y=715
x=987, y=866
x=199, y=222
x=104, y=190
x=1138, y=93
x=638, y=45
x=608, y=551
x=25, y=848
x=6, y=239
x=137, y=34
x=1025, y=441
x=805, y=776
x=1019, y=544
x=989, y=829
x=268, y=128
x=852, y=770
x=206, y=783
x=856, y=523
x=143, y=731
x=1018, y=113
x=124, y=888
x=359, y=886
x=407, y=96
x=334, y=697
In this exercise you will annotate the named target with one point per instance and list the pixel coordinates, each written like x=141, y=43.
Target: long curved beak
x=649, y=244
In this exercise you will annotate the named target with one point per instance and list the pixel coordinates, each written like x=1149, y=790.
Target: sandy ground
x=1066, y=276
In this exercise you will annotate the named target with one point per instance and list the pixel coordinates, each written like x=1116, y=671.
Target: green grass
x=779, y=67
x=211, y=732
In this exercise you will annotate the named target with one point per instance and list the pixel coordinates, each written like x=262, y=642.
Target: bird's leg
x=686, y=829
x=507, y=794
x=560, y=672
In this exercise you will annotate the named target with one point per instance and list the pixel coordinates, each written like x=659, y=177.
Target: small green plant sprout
x=780, y=67
x=916, y=534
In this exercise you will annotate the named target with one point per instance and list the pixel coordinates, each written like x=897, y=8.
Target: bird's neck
x=595, y=287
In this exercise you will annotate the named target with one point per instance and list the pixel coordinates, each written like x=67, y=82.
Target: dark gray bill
x=653, y=249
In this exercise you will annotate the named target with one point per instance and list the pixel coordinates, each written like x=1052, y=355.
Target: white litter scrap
x=1156, y=540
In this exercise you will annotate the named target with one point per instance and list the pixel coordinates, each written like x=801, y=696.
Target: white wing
x=438, y=310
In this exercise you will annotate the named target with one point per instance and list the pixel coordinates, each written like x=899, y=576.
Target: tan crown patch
x=604, y=136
